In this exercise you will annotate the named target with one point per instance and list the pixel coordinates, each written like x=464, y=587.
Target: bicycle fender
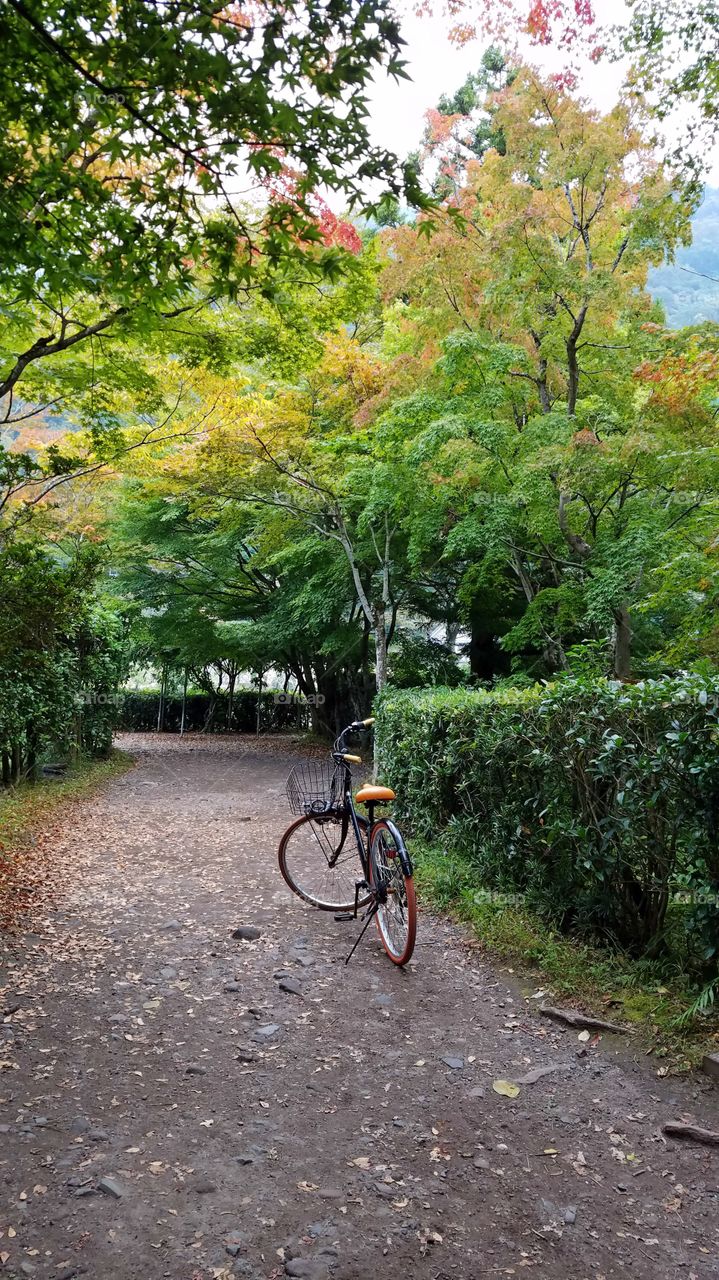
x=404, y=857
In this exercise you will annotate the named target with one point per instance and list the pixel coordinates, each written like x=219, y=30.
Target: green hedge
x=597, y=801
x=139, y=712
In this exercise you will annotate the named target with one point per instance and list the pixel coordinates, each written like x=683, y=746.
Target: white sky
x=437, y=66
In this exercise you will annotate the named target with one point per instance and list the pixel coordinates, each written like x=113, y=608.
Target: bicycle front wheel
x=320, y=862
x=395, y=894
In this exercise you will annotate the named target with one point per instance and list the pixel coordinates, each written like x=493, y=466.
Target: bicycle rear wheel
x=319, y=861
x=394, y=889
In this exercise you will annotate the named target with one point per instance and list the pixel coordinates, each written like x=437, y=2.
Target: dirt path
x=156, y=1125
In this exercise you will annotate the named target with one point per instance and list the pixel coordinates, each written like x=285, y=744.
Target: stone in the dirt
x=382, y=1000
x=269, y=1029
x=117, y=1017
x=98, y=1135
x=301, y=957
x=291, y=986
x=232, y=986
x=245, y=1055
x=172, y=926
x=710, y=1065
x=81, y=1192
x=195, y=1069
x=455, y=1063
x=40, y=1121
x=385, y=1191
x=480, y=1162
x=550, y=1213
x=111, y=1187
x=306, y=1268
x=477, y=1091
x=27, y=1268
x=537, y=1073
x=80, y=1125
x=167, y=971
x=234, y=1243
x=320, y=1228
x=204, y=1187
x=330, y=1193
x=245, y=1158
x=246, y=933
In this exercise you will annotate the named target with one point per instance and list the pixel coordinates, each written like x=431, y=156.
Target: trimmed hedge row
x=139, y=711
x=596, y=800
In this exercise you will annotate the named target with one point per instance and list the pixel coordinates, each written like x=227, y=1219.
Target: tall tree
x=154, y=118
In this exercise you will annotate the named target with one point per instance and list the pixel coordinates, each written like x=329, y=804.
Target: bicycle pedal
x=345, y=915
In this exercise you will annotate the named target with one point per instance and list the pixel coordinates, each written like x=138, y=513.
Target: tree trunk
x=622, y=643
x=16, y=763
x=573, y=360
x=231, y=679
x=259, y=701
x=184, y=704
x=76, y=744
x=486, y=659
x=6, y=769
x=543, y=389
x=161, y=703
x=380, y=648
x=32, y=765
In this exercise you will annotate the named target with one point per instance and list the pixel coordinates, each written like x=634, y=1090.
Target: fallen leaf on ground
x=506, y=1088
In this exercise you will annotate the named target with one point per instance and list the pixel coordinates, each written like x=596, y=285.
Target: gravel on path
x=169, y=1112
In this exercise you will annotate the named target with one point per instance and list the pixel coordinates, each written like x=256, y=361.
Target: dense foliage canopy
x=439, y=446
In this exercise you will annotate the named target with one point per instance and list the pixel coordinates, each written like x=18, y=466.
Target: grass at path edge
x=26, y=807
x=611, y=985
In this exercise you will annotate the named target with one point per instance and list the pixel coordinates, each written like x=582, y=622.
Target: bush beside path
x=180, y=1103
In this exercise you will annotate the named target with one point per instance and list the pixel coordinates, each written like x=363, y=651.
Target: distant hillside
x=687, y=295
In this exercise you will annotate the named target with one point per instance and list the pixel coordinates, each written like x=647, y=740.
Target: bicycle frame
x=353, y=819
x=363, y=839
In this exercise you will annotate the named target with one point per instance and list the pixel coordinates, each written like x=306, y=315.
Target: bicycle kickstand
x=372, y=912
x=360, y=886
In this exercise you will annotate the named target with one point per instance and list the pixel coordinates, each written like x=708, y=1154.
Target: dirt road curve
x=168, y=1111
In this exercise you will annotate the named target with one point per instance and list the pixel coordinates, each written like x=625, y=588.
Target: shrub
x=60, y=659
x=139, y=712
x=596, y=800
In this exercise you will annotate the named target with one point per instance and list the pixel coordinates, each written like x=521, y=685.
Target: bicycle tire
x=397, y=918
x=302, y=849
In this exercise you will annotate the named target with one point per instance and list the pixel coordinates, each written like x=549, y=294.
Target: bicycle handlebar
x=355, y=727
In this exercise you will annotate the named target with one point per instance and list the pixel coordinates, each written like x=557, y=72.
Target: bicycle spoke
x=312, y=866
x=396, y=907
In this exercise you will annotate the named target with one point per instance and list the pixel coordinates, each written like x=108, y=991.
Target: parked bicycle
x=338, y=860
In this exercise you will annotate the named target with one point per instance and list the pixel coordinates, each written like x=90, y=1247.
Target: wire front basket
x=315, y=787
